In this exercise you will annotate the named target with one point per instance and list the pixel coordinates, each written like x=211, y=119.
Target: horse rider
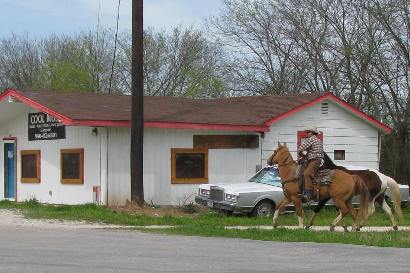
x=312, y=150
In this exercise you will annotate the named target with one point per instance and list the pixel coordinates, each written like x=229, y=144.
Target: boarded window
x=339, y=154
x=72, y=166
x=189, y=166
x=226, y=141
x=30, y=166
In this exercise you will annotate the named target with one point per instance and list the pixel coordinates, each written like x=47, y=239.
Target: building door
x=9, y=170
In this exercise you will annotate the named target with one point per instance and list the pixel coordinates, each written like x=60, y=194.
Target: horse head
x=280, y=153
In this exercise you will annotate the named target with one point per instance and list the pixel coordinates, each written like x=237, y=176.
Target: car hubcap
x=264, y=210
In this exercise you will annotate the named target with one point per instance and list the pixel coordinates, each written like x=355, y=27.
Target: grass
x=381, y=239
x=212, y=224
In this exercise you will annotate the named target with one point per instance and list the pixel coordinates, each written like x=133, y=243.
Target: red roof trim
x=364, y=116
x=337, y=100
x=16, y=94
x=218, y=127
x=170, y=125
x=179, y=125
x=101, y=123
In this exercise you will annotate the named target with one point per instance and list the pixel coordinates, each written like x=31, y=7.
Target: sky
x=39, y=18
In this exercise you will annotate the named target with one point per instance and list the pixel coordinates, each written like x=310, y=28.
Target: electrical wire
x=115, y=46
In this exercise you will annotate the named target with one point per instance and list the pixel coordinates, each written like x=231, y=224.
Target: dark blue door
x=9, y=170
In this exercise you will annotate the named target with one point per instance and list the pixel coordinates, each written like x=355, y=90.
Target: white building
x=63, y=148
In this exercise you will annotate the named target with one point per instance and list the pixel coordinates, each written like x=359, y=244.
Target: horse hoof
x=345, y=229
x=395, y=228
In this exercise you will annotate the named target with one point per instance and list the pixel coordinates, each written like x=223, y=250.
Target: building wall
x=51, y=190
x=341, y=131
x=224, y=165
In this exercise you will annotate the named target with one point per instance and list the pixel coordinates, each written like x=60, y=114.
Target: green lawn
x=209, y=223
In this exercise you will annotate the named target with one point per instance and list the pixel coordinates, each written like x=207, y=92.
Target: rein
x=289, y=180
x=286, y=164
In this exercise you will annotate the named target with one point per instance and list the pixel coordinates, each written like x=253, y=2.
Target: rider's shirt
x=314, y=148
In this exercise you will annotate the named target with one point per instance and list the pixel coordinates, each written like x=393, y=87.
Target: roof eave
x=329, y=96
x=20, y=97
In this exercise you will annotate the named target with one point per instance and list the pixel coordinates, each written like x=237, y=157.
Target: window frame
x=37, y=153
x=79, y=180
x=198, y=180
x=341, y=153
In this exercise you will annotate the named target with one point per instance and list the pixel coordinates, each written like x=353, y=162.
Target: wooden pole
x=137, y=115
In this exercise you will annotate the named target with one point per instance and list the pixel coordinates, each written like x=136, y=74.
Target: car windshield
x=268, y=176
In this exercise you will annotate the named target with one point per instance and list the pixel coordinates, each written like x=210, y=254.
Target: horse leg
x=370, y=212
x=318, y=207
x=387, y=210
x=353, y=213
x=299, y=211
x=282, y=204
x=343, y=210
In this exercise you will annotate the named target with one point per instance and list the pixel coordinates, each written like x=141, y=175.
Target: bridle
x=288, y=161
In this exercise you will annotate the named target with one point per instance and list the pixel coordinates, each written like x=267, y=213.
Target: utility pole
x=137, y=113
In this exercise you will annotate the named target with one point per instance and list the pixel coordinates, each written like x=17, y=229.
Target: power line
x=115, y=46
x=98, y=16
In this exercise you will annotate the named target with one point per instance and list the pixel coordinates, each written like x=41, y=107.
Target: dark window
x=189, y=165
x=339, y=154
x=30, y=166
x=72, y=166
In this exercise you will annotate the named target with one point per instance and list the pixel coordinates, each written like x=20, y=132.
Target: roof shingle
x=244, y=111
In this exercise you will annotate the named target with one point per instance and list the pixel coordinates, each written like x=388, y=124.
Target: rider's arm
x=304, y=147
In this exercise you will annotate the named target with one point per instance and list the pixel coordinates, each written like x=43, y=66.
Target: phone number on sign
x=45, y=135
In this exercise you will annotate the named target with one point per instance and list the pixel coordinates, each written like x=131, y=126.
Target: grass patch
x=381, y=239
x=92, y=213
x=210, y=223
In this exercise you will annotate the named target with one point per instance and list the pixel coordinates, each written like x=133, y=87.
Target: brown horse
x=377, y=183
x=342, y=189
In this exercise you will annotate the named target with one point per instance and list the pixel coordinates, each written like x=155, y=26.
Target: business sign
x=44, y=127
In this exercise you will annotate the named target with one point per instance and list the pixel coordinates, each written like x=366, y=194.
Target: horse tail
x=395, y=192
x=364, y=196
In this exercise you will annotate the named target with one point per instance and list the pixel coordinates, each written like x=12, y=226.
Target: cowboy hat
x=312, y=129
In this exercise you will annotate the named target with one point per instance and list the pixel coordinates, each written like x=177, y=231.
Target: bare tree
x=20, y=62
x=182, y=64
x=260, y=49
x=392, y=76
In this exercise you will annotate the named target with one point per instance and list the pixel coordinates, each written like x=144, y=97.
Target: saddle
x=323, y=177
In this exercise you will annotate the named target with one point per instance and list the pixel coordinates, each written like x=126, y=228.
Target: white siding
x=224, y=165
x=50, y=190
x=341, y=131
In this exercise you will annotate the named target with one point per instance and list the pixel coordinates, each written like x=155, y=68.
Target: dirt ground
x=159, y=211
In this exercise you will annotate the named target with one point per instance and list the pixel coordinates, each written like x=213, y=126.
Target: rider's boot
x=308, y=195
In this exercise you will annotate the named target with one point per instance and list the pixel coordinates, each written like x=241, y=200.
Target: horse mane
x=329, y=164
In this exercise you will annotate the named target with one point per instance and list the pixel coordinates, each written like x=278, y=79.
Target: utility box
x=97, y=195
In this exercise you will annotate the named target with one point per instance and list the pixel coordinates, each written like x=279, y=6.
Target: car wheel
x=263, y=209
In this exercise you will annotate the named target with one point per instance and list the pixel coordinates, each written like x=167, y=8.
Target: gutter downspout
x=104, y=165
x=380, y=150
